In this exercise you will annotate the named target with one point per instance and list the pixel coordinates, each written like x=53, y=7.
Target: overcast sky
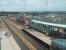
x=32, y=5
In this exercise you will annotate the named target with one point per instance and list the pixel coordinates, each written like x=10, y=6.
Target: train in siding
x=24, y=20
x=51, y=28
x=50, y=25
x=58, y=44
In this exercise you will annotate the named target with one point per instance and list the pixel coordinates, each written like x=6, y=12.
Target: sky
x=32, y=5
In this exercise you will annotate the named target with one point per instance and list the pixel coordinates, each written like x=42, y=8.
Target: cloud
x=33, y=5
x=57, y=5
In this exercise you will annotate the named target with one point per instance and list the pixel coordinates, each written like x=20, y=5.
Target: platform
x=39, y=35
x=7, y=42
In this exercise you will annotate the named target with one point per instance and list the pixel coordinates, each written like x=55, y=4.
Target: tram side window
x=64, y=30
x=44, y=26
x=54, y=28
x=50, y=27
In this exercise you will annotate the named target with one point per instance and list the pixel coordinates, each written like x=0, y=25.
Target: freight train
x=52, y=24
x=58, y=44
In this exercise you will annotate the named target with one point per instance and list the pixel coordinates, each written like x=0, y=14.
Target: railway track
x=29, y=41
x=23, y=39
x=17, y=39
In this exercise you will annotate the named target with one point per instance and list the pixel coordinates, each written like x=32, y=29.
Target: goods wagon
x=23, y=20
x=58, y=44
